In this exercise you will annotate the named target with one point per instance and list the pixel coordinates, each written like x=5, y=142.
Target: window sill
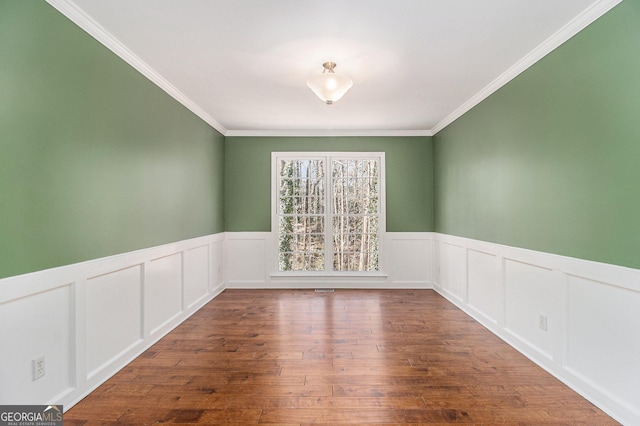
x=325, y=275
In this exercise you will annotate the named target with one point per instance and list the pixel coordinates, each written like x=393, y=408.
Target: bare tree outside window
x=328, y=214
x=355, y=215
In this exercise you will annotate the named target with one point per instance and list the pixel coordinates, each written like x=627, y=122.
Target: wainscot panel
x=577, y=319
x=408, y=251
x=485, y=288
x=196, y=275
x=113, y=312
x=246, y=259
x=34, y=326
x=531, y=310
x=603, y=336
x=163, y=292
x=452, y=270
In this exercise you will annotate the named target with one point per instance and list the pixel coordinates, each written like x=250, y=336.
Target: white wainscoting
x=90, y=319
x=251, y=263
x=592, y=310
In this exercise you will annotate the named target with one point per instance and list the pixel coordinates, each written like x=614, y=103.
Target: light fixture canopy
x=329, y=86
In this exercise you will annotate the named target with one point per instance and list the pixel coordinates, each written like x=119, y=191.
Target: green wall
x=551, y=161
x=95, y=159
x=409, y=174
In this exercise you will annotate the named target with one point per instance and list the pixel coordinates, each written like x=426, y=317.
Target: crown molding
x=572, y=28
x=81, y=19
x=69, y=9
x=326, y=133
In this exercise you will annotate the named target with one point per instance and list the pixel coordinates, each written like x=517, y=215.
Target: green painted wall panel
x=95, y=159
x=409, y=173
x=551, y=161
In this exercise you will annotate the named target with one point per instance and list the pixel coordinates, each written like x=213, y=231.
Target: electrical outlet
x=543, y=322
x=38, y=368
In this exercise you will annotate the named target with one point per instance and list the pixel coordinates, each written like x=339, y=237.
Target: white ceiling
x=242, y=65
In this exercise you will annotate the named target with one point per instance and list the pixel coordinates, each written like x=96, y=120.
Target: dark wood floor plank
x=297, y=357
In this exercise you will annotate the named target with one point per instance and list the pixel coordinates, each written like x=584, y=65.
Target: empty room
x=341, y=212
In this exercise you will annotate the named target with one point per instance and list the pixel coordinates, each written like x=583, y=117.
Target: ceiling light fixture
x=329, y=86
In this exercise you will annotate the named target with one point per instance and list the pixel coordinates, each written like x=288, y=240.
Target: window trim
x=328, y=156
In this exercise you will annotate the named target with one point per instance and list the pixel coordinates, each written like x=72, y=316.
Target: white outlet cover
x=543, y=322
x=38, y=368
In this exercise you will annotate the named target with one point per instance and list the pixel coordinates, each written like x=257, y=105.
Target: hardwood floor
x=297, y=357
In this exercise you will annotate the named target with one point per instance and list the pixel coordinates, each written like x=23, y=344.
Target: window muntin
x=328, y=211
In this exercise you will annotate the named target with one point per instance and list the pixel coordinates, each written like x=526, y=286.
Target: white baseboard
x=91, y=319
x=592, y=314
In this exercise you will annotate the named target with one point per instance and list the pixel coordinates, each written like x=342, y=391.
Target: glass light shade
x=329, y=86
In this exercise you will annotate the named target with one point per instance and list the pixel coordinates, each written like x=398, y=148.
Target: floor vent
x=324, y=290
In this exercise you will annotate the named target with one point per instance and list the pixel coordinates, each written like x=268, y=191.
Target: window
x=329, y=211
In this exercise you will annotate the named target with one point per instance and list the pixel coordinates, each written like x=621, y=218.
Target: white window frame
x=327, y=157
